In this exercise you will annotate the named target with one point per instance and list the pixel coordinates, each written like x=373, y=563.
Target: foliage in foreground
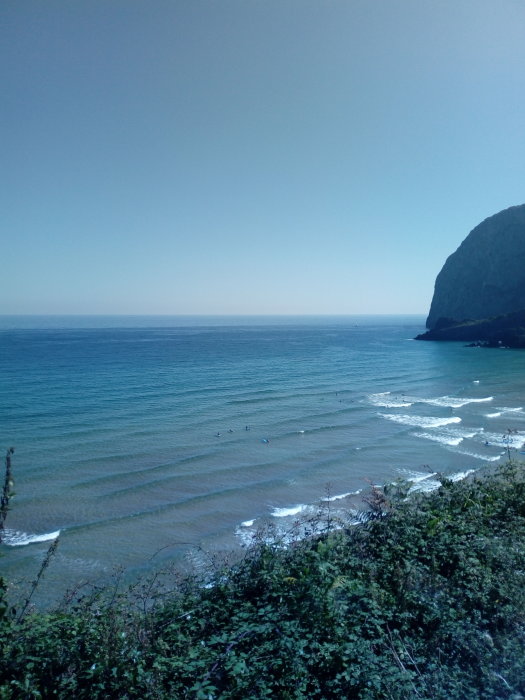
x=426, y=601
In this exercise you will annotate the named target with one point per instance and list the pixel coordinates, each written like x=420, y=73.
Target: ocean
x=151, y=440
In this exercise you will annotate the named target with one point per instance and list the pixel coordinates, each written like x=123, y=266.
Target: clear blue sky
x=251, y=156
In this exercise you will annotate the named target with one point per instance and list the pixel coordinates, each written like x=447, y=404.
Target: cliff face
x=485, y=277
x=501, y=331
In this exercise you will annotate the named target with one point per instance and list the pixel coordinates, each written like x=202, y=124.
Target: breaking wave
x=386, y=399
x=286, y=512
x=14, y=538
x=420, y=421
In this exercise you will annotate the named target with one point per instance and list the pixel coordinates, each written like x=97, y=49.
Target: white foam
x=286, y=512
x=451, y=402
x=421, y=421
x=442, y=438
x=483, y=458
x=14, y=538
x=247, y=537
x=421, y=477
x=426, y=486
x=248, y=523
x=450, y=436
x=341, y=496
x=505, y=410
x=386, y=400
x=468, y=432
x=475, y=381
x=421, y=481
x=459, y=476
x=415, y=476
x=513, y=440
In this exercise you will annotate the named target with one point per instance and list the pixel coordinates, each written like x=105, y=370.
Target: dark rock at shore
x=483, y=279
x=507, y=330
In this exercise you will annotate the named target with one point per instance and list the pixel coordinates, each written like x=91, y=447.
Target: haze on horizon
x=251, y=156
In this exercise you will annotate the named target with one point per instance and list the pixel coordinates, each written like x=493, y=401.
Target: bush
x=425, y=600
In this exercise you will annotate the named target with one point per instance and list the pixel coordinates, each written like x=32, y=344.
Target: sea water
x=145, y=439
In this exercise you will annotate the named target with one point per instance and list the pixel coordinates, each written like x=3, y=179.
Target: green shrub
x=425, y=600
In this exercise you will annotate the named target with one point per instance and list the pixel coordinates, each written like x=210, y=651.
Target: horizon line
x=221, y=315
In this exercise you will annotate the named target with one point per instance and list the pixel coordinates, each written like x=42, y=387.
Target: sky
x=251, y=156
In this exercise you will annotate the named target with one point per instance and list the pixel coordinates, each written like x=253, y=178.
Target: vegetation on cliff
x=425, y=600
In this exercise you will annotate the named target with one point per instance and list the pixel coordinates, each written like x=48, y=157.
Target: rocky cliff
x=485, y=277
x=507, y=331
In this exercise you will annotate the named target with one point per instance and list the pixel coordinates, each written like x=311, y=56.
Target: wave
x=442, y=438
x=427, y=484
x=421, y=421
x=450, y=436
x=382, y=399
x=512, y=440
x=265, y=399
x=313, y=431
x=246, y=533
x=339, y=497
x=386, y=399
x=483, y=458
x=451, y=402
x=505, y=410
x=286, y=512
x=14, y=538
x=461, y=475
x=420, y=481
x=415, y=476
x=320, y=429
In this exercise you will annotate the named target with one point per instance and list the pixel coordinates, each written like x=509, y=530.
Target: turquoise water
x=144, y=437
